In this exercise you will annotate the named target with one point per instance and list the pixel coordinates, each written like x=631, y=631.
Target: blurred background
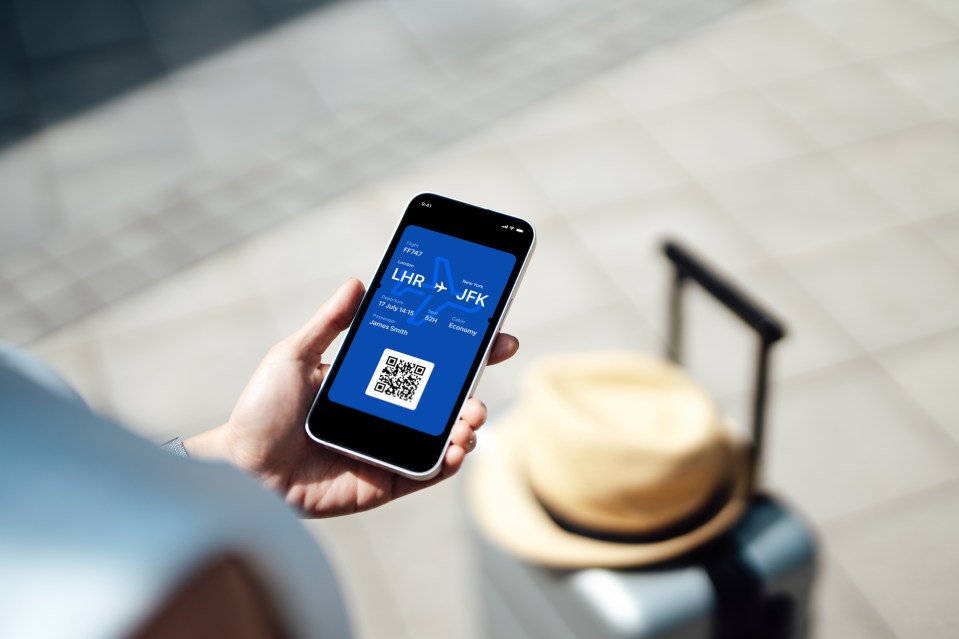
x=182, y=182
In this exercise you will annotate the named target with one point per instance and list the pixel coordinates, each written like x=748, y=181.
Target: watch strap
x=176, y=447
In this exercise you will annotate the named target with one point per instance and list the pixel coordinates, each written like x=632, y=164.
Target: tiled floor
x=212, y=152
x=808, y=147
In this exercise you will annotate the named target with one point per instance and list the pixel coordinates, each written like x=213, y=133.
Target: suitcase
x=753, y=581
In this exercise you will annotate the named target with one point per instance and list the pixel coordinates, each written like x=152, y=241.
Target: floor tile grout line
x=855, y=518
x=401, y=613
x=857, y=588
x=933, y=426
x=920, y=225
x=416, y=43
x=868, y=57
x=164, y=79
x=586, y=257
x=940, y=15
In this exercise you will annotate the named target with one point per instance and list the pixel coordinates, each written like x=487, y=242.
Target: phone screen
x=421, y=334
x=415, y=343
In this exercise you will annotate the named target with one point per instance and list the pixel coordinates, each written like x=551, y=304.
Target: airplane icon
x=442, y=265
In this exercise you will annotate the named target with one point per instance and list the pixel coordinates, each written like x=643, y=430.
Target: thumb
x=332, y=318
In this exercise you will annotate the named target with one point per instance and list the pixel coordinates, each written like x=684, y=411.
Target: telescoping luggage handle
x=769, y=329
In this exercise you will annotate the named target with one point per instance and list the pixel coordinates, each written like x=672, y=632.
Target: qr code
x=399, y=379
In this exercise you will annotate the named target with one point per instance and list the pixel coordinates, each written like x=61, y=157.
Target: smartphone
x=420, y=339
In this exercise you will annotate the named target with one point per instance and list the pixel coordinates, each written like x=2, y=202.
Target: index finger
x=504, y=347
x=332, y=318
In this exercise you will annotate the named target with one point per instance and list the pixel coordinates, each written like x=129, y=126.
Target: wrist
x=209, y=444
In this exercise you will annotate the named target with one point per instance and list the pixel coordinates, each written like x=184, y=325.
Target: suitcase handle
x=769, y=329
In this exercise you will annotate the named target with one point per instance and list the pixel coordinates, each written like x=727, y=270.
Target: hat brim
x=507, y=511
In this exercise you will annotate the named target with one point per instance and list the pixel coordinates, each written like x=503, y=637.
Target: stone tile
x=184, y=370
x=596, y=166
x=62, y=246
x=904, y=558
x=9, y=30
x=625, y=239
x=750, y=11
x=74, y=354
x=224, y=199
x=673, y=73
x=267, y=100
x=135, y=235
x=30, y=207
x=471, y=105
x=944, y=231
x=945, y=8
x=182, y=31
x=562, y=279
x=209, y=285
x=724, y=133
x=926, y=370
x=928, y=74
x=847, y=439
x=449, y=35
x=114, y=282
x=10, y=298
x=363, y=580
x=289, y=10
x=427, y=555
x=209, y=235
x=772, y=46
x=882, y=288
x=800, y=203
x=299, y=196
x=81, y=258
x=265, y=181
x=68, y=303
x=23, y=325
x=50, y=30
x=68, y=85
x=323, y=44
x=840, y=611
x=345, y=237
x=17, y=127
x=913, y=169
x=14, y=94
x=837, y=105
x=21, y=262
x=879, y=27
x=165, y=257
x=579, y=107
x=111, y=158
x=177, y=219
x=40, y=282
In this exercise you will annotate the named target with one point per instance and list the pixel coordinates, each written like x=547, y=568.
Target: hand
x=265, y=434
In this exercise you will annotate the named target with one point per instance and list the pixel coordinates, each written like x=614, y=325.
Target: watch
x=176, y=447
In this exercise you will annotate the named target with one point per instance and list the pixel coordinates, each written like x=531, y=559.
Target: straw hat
x=608, y=460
